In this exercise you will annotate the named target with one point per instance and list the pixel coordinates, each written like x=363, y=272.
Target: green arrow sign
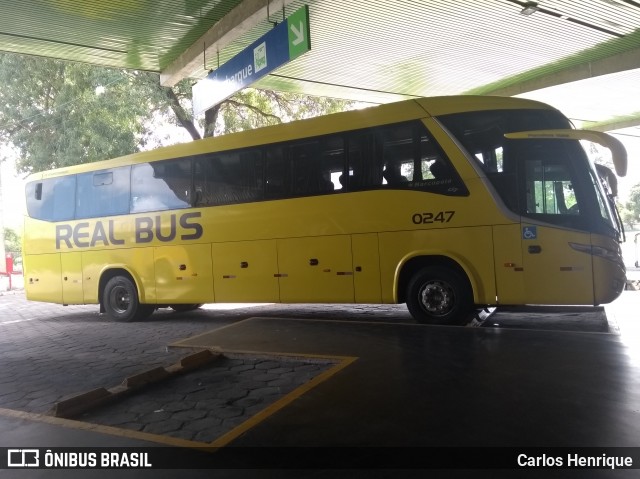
x=299, y=34
x=285, y=42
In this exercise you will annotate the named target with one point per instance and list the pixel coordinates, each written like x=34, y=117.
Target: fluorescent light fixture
x=529, y=8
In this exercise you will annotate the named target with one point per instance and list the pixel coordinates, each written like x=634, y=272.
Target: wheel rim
x=437, y=297
x=120, y=299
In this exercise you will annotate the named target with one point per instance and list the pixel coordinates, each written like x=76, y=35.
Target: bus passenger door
x=245, y=271
x=316, y=270
x=71, y=268
x=507, y=253
x=555, y=273
x=366, y=268
x=183, y=274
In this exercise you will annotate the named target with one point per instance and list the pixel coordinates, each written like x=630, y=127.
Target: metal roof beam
x=614, y=124
x=629, y=60
x=241, y=19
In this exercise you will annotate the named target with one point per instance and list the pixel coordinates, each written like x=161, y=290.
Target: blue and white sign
x=286, y=41
x=529, y=232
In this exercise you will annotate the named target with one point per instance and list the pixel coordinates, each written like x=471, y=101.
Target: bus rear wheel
x=439, y=295
x=121, y=302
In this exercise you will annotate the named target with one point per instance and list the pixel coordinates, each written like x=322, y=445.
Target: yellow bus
x=444, y=203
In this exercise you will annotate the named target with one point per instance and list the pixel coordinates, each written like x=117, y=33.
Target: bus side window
x=413, y=160
x=103, y=193
x=234, y=177
x=364, y=168
x=249, y=180
x=161, y=185
x=398, y=154
x=304, y=161
x=317, y=165
x=203, y=181
x=277, y=174
x=332, y=164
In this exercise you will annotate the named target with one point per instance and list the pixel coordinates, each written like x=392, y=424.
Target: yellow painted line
x=101, y=429
x=178, y=343
x=253, y=421
x=341, y=362
x=243, y=353
x=225, y=439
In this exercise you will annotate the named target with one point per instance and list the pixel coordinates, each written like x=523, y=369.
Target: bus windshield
x=549, y=180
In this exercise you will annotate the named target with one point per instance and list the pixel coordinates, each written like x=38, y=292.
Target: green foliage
x=632, y=206
x=58, y=114
x=12, y=242
x=628, y=218
x=250, y=108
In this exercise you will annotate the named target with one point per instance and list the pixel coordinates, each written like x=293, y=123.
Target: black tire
x=120, y=300
x=182, y=308
x=439, y=295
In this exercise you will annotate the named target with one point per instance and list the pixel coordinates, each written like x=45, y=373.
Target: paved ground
x=208, y=403
x=50, y=352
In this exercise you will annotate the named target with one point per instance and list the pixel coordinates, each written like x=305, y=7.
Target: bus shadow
x=570, y=319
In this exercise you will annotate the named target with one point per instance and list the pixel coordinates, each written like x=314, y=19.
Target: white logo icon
x=23, y=457
x=260, y=57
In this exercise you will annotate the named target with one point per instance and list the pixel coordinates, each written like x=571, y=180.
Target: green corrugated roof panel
x=140, y=34
x=438, y=47
x=395, y=47
x=368, y=50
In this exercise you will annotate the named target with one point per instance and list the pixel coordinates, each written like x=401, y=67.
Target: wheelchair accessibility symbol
x=529, y=232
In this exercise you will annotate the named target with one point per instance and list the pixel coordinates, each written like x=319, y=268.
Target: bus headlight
x=605, y=253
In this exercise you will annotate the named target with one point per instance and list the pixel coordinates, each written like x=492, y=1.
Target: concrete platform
x=399, y=384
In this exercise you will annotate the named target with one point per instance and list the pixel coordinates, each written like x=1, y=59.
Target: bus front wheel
x=121, y=302
x=439, y=295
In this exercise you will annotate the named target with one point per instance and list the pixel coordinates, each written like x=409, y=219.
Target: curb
x=11, y=292
x=81, y=403
x=632, y=285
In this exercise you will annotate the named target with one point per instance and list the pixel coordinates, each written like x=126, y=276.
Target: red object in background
x=9, y=264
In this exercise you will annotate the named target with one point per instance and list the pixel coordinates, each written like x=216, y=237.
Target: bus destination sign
x=283, y=43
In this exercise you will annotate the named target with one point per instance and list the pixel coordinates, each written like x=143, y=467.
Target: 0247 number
x=436, y=217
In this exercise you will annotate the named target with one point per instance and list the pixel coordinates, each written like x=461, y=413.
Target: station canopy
x=581, y=56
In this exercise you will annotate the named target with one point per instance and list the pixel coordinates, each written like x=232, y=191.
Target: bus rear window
x=52, y=199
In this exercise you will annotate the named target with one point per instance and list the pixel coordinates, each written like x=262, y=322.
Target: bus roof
x=344, y=121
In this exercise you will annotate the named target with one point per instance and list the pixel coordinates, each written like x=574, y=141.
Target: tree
x=12, y=242
x=246, y=110
x=633, y=205
x=627, y=217
x=58, y=113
